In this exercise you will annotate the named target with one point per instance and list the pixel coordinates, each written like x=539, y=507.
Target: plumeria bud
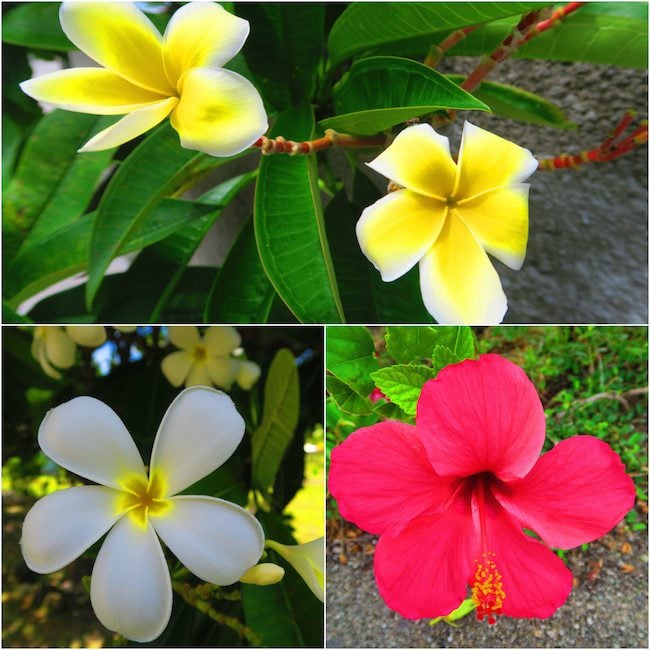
x=308, y=560
x=248, y=374
x=263, y=574
x=90, y=336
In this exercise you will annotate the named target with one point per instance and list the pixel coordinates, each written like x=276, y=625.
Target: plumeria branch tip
x=331, y=139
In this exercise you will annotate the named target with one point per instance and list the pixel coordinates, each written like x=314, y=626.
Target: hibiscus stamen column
x=487, y=583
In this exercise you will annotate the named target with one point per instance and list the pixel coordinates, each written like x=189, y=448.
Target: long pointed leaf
x=290, y=230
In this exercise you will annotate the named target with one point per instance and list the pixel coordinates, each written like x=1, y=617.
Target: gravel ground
x=608, y=608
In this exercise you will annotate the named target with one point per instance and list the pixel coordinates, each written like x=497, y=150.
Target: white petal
x=87, y=437
x=199, y=432
x=216, y=540
x=62, y=525
x=131, y=589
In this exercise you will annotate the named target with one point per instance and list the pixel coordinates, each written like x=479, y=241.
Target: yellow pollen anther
x=487, y=589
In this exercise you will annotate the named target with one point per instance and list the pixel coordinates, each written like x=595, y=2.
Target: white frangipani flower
x=131, y=587
x=308, y=560
x=207, y=360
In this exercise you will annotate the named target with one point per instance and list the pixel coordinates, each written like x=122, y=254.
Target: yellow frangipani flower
x=447, y=215
x=207, y=360
x=146, y=76
x=54, y=345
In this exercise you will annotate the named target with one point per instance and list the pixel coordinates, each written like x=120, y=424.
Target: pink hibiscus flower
x=450, y=497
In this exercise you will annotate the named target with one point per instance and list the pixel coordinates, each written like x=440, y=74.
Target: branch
x=436, y=52
x=330, y=139
x=612, y=146
x=528, y=27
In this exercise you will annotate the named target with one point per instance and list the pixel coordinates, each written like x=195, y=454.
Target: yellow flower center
x=487, y=588
x=200, y=353
x=451, y=202
x=142, y=498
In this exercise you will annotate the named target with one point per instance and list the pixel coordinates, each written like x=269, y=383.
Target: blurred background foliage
x=54, y=610
x=591, y=380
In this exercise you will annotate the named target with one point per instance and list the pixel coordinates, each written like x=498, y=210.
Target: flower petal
x=199, y=432
x=419, y=160
x=59, y=348
x=487, y=161
x=216, y=540
x=201, y=35
x=185, y=337
x=398, y=229
x=90, y=336
x=421, y=571
x=481, y=416
x=62, y=525
x=130, y=589
x=458, y=282
x=176, y=366
x=220, y=112
x=575, y=493
x=498, y=219
x=248, y=372
x=382, y=479
x=199, y=375
x=221, y=340
x=87, y=437
x=308, y=560
x=89, y=90
x=131, y=126
x=221, y=370
x=535, y=580
x=121, y=38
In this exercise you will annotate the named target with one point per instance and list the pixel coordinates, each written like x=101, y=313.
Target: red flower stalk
x=451, y=496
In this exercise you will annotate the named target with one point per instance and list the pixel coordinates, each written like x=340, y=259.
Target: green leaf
x=53, y=184
x=443, y=357
x=351, y=357
x=411, y=344
x=365, y=296
x=58, y=255
x=459, y=340
x=187, y=303
x=281, y=410
x=290, y=230
x=383, y=91
x=157, y=168
x=402, y=384
x=346, y=398
x=519, y=104
x=284, y=49
x=586, y=35
x=147, y=286
x=241, y=292
x=35, y=25
x=365, y=25
x=9, y=315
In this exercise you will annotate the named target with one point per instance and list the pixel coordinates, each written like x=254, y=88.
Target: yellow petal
x=120, y=37
x=221, y=339
x=185, y=337
x=247, y=374
x=176, y=366
x=220, y=112
x=199, y=376
x=263, y=574
x=90, y=336
x=89, y=90
x=222, y=371
x=419, y=159
x=487, y=161
x=131, y=126
x=499, y=220
x=396, y=231
x=201, y=35
x=458, y=282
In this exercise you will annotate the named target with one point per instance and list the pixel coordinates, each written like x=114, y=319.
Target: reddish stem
x=330, y=139
x=438, y=51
